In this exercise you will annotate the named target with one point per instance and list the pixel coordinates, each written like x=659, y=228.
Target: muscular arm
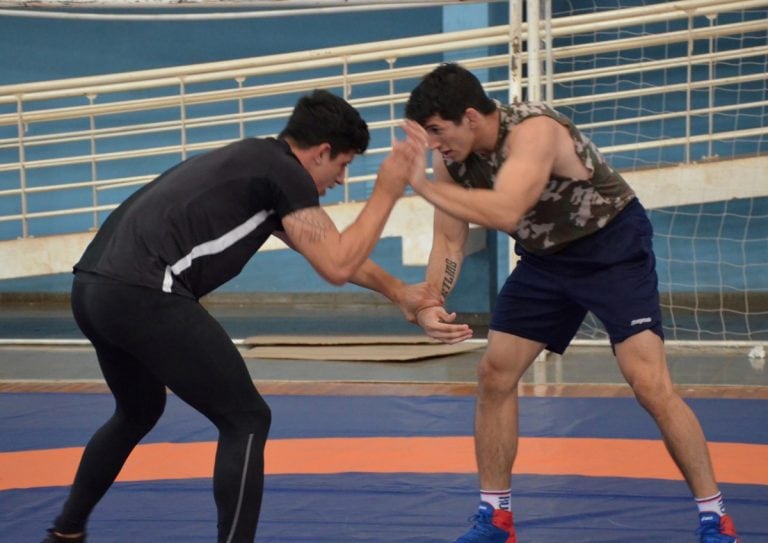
x=336, y=256
x=410, y=299
x=447, y=253
x=532, y=150
x=443, y=269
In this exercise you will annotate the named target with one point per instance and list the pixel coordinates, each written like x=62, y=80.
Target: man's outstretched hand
x=438, y=324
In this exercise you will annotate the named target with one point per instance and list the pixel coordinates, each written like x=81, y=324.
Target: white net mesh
x=660, y=91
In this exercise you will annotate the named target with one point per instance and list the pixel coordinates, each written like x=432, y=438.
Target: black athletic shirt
x=195, y=226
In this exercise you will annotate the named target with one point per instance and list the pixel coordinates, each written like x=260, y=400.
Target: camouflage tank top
x=568, y=209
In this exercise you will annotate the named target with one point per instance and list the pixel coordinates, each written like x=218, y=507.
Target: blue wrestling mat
x=416, y=507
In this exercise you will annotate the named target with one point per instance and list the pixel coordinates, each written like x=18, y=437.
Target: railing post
x=515, y=51
x=515, y=91
x=94, y=169
x=711, y=94
x=392, y=134
x=22, y=167
x=549, y=66
x=347, y=92
x=688, y=77
x=183, y=117
x=240, y=106
x=534, y=51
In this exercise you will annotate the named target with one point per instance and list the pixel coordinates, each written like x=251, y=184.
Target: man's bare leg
x=496, y=417
x=643, y=362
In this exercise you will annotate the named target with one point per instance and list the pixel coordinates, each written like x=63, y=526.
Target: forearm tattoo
x=313, y=225
x=449, y=277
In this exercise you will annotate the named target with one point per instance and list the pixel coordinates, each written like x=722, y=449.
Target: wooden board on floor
x=340, y=340
x=361, y=353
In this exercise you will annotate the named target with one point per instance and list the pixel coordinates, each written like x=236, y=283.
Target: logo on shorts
x=640, y=321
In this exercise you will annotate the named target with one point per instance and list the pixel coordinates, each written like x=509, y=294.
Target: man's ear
x=323, y=152
x=473, y=116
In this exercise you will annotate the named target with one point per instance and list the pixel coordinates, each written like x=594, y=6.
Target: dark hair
x=447, y=91
x=322, y=117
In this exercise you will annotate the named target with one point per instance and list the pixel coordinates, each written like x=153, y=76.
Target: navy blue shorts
x=611, y=273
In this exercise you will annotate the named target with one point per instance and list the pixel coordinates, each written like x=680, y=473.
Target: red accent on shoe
x=726, y=526
x=504, y=521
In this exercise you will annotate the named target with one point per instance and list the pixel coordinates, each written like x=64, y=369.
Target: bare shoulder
x=546, y=140
x=535, y=128
x=535, y=136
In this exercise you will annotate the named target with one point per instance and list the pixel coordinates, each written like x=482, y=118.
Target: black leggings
x=146, y=340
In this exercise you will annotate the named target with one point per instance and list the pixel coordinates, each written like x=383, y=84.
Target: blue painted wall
x=40, y=49
x=43, y=49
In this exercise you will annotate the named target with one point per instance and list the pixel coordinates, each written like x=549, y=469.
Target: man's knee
x=654, y=393
x=505, y=360
x=141, y=416
x=255, y=418
x=494, y=376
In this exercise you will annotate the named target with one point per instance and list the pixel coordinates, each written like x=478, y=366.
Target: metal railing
x=74, y=148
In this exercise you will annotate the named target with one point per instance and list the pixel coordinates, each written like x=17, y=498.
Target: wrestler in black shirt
x=136, y=290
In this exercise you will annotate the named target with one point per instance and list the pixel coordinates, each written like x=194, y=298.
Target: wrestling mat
x=388, y=469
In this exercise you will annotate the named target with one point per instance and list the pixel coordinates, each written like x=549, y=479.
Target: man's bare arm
x=532, y=151
x=410, y=299
x=447, y=254
x=335, y=255
x=443, y=269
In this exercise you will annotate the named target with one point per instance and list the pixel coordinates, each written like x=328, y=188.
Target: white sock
x=499, y=499
x=713, y=504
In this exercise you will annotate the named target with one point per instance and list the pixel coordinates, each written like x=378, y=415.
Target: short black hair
x=447, y=91
x=322, y=117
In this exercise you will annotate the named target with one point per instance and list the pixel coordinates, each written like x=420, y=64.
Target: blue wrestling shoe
x=716, y=529
x=490, y=526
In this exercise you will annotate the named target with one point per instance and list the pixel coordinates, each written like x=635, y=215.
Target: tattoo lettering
x=450, y=276
x=314, y=227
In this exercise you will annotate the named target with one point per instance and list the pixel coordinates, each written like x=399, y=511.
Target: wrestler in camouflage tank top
x=568, y=209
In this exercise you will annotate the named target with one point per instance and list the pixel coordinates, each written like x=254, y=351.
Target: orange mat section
x=735, y=462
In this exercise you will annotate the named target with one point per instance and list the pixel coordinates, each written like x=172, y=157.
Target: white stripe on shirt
x=214, y=246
